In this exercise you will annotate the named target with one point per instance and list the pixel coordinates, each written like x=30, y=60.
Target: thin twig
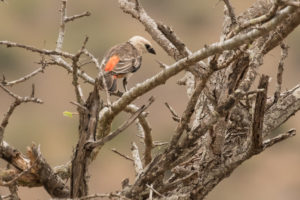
x=78, y=91
x=270, y=142
x=108, y=195
x=187, y=114
x=230, y=11
x=78, y=105
x=9, y=44
x=258, y=20
x=162, y=65
x=155, y=191
x=7, y=115
x=72, y=18
x=24, y=78
x=100, y=74
x=19, y=98
x=121, y=128
x=171, y=185
x=145, y=130
x=175, y=116
x=17, y=102
x=158, y=144
x=121, y=154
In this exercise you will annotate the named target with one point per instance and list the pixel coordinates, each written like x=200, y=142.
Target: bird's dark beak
x=151, y=50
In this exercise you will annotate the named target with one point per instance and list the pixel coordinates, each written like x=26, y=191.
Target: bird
x=124, y=59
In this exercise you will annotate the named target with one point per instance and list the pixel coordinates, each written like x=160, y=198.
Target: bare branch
x=9, y=44
x=51, y=182
x=61, y=31
x=155, y=191
x=284, y=54
x=88, y=121
x=162, y=65
x=69, y=68
x=138, y=166
x=17, y=102
x=230, y=11
x=78, y=91
x=100, y=74
x=291, y=3
x=7, y=115
x=24, y=78
x=74, y=17
x=14, y=192
x=145, y=130
x=163, y=76
x=6, y=197
x=175, y=116
x=121, y=154
x=258, y=20
x=187, y=178
x=258, y=116
x=287, y=105
x=121, y=128
x=21, y=99
x=270, y=142
x=187, y=114
x=109, y=195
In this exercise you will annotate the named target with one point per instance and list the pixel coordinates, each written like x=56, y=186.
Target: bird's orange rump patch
x=111, y=63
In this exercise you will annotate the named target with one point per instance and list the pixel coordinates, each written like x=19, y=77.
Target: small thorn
x=32, y=90
x=162, y=65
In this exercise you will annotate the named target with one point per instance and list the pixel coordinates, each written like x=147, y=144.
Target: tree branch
x=92, y=145
x=258, y=116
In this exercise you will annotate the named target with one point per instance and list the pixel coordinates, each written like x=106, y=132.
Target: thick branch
x=287, y=105
x=174, y=69
x=258, y=116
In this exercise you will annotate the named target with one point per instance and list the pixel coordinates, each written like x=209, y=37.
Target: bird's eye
x=147, y=46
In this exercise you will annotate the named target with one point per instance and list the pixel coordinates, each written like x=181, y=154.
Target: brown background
x=272, y=175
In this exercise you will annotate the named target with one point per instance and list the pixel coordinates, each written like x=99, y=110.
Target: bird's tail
x=111, y=82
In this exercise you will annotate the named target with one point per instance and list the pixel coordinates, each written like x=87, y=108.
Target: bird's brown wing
x=126, y=66
x=122, y=59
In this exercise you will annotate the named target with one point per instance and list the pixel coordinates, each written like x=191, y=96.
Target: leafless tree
x=224, y=122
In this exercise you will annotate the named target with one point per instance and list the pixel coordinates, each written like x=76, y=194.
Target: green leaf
x=68, y=114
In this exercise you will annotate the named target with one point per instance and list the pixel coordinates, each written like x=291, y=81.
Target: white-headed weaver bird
x=122, y=60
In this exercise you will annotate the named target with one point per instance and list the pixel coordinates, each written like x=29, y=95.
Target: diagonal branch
x=215, y=48
x=26, y=77
x=138, y=166
x=270, y=142
x=230, y=11
x=9, y=44
x=74, y=17
x=145, y=132
x=17, y=102
x=92, y=145
x=287, y=105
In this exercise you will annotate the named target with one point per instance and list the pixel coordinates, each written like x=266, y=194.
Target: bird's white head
x=141, y=44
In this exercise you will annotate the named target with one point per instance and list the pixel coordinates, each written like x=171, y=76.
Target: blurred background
x=273, y=174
